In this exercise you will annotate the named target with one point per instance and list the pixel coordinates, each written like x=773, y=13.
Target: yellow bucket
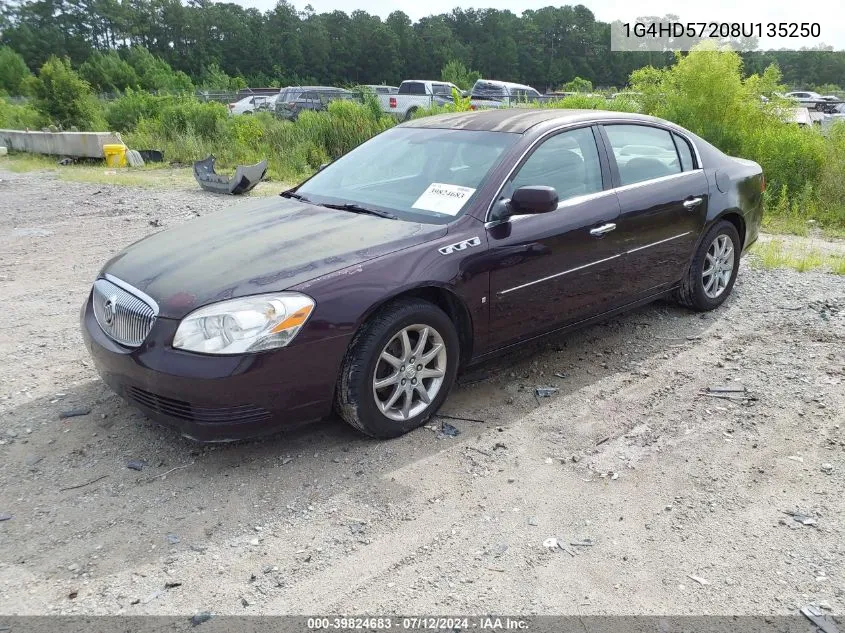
x=115, y=154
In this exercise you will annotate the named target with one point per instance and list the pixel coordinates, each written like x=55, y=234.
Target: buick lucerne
x=435, y=245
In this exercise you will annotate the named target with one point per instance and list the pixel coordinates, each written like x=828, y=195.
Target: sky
x=829, y=14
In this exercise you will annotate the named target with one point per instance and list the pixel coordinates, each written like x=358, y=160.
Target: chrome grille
x=122, y=314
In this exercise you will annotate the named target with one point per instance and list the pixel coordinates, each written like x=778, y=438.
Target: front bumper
x=218, y=398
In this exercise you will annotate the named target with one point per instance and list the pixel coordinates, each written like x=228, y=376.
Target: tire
x=410, y=114
x=697, y=289
x=361, y=404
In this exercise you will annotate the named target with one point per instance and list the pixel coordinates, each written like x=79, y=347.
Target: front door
x=555, y=268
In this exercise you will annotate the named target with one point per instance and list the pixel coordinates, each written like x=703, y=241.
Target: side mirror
x=534, y=199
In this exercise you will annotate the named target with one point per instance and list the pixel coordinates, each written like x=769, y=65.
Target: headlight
x=250, y=324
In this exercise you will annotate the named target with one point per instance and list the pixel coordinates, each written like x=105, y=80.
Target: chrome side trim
x=565, y=272
x=600, y=261
x=643, y=183
x=668, y=239
x=133, y=291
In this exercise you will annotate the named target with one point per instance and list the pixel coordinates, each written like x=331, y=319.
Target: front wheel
x=713, y=270
x=399, y=369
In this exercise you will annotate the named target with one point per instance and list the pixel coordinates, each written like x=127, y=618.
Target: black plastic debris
x=73, y=413
x=245, y=178
x=151, y=155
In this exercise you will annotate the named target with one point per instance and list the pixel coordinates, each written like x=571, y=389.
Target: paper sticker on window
x=443, y=198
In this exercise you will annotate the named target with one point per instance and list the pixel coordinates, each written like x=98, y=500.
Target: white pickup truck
x=415, y=94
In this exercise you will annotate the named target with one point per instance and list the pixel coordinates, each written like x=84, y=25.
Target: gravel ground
x=684, y=496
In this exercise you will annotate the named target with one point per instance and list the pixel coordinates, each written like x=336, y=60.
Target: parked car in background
x=489, y=93
x=250, y=104
x=414, y=94
x=805, y=98
x=380, y=89
x=293, y=100
x=434, y=245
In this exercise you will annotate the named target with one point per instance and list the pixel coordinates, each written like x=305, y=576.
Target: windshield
x=418, y=174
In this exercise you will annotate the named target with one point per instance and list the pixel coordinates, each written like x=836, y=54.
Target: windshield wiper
x=294, y=195
x=357, y=208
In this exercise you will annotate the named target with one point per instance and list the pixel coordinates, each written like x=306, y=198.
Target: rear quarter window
x=684, y=152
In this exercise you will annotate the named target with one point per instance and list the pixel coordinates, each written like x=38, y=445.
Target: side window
x=569, y=162
x=684, y=152
x=642, y=152
x=416, y=88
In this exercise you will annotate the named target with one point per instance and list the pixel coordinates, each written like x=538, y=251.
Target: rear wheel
x=713, y=270
x=399, y=369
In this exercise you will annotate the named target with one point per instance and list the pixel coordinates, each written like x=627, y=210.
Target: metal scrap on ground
x=818, y=618
x=245, y=178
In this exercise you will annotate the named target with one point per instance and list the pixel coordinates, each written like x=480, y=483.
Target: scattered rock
x=550, y=543
x=796, y=458
x=5, y=516
x=532, y=521
x=447, y=430
x=827, y=469
x=136, y=464
x=698, y=579
x=201, y=617
x=800, y=517
x=172, y=585
x=173, y=539
x=545, y=392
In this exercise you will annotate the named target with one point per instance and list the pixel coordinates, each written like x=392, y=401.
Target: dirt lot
x=668, y=483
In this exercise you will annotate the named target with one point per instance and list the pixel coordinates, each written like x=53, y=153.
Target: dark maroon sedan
x=434, y=245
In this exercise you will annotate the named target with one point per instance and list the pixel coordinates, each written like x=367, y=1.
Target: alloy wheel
x=409, y=372
x=718, y=266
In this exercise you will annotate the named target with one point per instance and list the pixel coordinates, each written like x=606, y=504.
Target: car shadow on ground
x=70, y=477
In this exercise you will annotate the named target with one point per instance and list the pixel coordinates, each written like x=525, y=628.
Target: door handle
x=692, y=203
x=601, y=230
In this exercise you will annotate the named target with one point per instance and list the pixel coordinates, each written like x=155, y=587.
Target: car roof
x=506, y=84
x=519, y=120
x=311, y=88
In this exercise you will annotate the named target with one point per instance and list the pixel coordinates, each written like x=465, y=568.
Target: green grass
x=776, y=254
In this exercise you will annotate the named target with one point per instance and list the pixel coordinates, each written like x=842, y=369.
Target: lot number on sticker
x=443, y=198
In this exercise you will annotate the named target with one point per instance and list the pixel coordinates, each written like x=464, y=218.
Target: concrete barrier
x=76, y=144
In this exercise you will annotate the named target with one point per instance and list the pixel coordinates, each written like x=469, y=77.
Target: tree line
x=165, y=44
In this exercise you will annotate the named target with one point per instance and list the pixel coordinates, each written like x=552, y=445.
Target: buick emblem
x=108, y=310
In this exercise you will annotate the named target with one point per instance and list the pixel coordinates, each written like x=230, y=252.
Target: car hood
x=262, y=246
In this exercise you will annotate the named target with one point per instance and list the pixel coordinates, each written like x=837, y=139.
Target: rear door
x=663, y=195
x=555, y=268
